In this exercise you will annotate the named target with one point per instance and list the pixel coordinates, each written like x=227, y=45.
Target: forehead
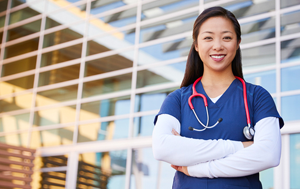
x=217, y=24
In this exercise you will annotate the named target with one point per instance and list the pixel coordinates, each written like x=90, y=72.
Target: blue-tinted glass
x=290, y=78
x=294, y=161
x=143, y=126
x=147, y=102
x=290, y=108
x=290, y=50
x=167, y=174
x=290, y=22
x=267, y=179
x=265, y=79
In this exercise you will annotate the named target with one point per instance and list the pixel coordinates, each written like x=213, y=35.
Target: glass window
x=102, y=169
x=1, y=35
x=145, y=169
x=22, y=48
x=164, y=51
x=294, y=160
x=99, y=6
x=290, y=107
x=166, y=175
x=290, y=78
x=258, y=30
x=17, y=85
x=24, y=30
x=265, y=79
x=104, y=108
x=2, y=22
x=54, y=161
x=19, y=66
x=58, y=95
x=143, y=126
x=52, y=137
x=107, y=85
x=50, y=23
x=9, y=123
x=161, y=74
x=288, y=3
x=3, y=6
x=16, y=103
x=50, y=179
x=267, y=178
x=110, y=130
x=20, y=139
x=257, y=57
x=22, y=15
x=61, y=55
x=290, y=50
x=59, y=75
x=15, y=3
x=53, y=116
x=111, y=63
x=290, y=22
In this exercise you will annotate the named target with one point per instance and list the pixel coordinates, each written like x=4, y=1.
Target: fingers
x=175, y=132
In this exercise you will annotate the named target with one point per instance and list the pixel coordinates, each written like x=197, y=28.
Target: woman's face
x=217, y=44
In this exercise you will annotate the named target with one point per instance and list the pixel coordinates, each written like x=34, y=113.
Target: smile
x=217, y=57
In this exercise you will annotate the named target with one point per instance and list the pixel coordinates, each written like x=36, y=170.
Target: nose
x=218, y=46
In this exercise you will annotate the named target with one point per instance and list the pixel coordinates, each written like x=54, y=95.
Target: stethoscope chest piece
x=248, y=132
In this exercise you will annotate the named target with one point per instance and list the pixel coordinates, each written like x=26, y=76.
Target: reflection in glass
x=99, y=6
x=51, y=179
x=24, y=30
x=143, y=126
x=22, y=15
x=10, y=123
x=266, y=178
x=258, y=57
x=50, y=23
x=294, y=160
x=65, y=35
x=290, y=78
x=20, y=139
x=58, y=115
x=110, y=130
x=288, y=3
x=58, y=95
x=104, y=108
x=166, y=175
x=15, y=3
x=160, y=75
x=52, y=137
x=16, y=85
x=59, y=75
x=19, y=66
x=258, y=30
x=102, y=169
x=145, y=169
x=61, y=55
x=1, y=35
x=290, y=22
x=54, y=161
x=2, y=22
x=290, y=107
x=110, y=63
x=290, y=50
x=3, y=6
x=16, y=103
x=265, y=79
x=22, y=48
x=107, y=85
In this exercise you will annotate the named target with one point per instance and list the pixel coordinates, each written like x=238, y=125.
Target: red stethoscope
x=248, y=130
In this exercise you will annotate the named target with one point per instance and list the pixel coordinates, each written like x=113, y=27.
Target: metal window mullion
x=161, y=63
x=157, y=87
x=23, y=22
x=20, y=57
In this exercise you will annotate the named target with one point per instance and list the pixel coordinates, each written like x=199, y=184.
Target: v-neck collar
x=225, y=96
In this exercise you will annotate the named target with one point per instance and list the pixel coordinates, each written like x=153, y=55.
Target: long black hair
x=194, y=65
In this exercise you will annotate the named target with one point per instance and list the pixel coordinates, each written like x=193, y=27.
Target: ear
x=196, y=46
x=238, y=45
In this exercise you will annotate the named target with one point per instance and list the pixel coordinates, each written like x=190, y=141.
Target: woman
x=217, y=154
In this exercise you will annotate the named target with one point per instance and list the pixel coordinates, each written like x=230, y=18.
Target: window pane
x=52, y=137
x=143, y=126
x=290, y=78
x=102, y=169
x=294, y=160
x=24, y=30
x=17, y=85
x=49, y=180
x=19, y=66
x=288, y=3
x=267, y=178
x=145, y=169
x=10, y=123
x=1, y=35
x=258, y=57
x=107, y=85
x=3, y=6
x=50, y=23
x=16, y=103
x=15, y=139
x=22, y=48
x=110, y=130
x=15, y=3
x=265, y=79
x=290, y=22
x=290, y=107
x=61, y=55
x=52, y=116
x=65, y=35
x=258, y=30
x=290, y=50
x=167, y=173
x=99, y=6
x=104, y=108
x=111, y=63
x=160, y=75
x=59, y=75
x=58, y=95
x=54, y=161
x=22, y=14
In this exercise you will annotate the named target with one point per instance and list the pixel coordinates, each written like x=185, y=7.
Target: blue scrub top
x=230, y=107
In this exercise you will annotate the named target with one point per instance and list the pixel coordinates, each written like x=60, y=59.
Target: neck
x=213, y=79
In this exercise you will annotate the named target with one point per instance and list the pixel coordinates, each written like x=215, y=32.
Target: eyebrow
x=213, y=32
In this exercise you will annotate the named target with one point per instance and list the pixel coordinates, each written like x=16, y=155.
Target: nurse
x=220, y=156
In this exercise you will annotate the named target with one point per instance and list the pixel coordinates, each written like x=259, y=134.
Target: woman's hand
x=248, y=143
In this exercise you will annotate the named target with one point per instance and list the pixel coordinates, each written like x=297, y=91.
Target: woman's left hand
x=182, y=169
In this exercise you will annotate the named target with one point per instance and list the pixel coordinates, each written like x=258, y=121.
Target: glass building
x=81, y=82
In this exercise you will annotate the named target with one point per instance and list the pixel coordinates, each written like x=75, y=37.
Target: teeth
x=218, y=56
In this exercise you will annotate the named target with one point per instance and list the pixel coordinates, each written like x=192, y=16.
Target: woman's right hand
x=248, y=143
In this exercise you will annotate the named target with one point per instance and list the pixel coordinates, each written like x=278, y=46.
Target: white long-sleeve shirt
x=218, y=158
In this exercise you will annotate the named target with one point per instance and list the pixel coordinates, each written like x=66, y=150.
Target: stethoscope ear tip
x=191, y=128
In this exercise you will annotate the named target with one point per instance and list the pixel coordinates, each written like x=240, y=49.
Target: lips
x=218, y=57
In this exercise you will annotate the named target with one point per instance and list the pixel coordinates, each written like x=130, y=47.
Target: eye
x=207, y=38
x=227, y=38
